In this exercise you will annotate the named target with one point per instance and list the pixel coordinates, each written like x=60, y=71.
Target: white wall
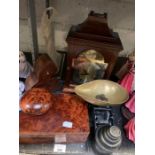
x=121, y=18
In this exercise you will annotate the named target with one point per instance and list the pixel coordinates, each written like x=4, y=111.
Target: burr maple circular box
x=36, y=101
x=95, y=34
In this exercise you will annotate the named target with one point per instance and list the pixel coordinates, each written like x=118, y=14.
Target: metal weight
x=107, y=139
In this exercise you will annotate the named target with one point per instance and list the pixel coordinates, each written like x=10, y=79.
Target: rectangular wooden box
x=49, y=128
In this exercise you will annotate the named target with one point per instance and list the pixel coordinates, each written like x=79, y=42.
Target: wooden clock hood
x=94, y=33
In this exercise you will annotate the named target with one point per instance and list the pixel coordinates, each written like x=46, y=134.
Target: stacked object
x=107, y=139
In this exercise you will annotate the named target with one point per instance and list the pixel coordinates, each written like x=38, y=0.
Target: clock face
x=88, y=66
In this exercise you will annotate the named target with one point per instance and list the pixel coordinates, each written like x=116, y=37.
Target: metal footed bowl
x=102, y=92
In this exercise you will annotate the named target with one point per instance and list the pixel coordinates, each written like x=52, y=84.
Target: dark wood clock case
x=95, y=34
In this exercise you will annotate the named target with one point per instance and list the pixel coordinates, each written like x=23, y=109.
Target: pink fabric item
x=131, y=103
x=128, y=79
x=130, y=129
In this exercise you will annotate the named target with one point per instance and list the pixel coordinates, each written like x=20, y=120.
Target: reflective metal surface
x=102, y=92
x=89, y=65
x=107, y=142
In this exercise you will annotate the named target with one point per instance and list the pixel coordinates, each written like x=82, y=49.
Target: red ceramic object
x=36, y=101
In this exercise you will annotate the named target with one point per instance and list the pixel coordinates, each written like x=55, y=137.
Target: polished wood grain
x=93, y=33
x=44, y=67
x=37, y=101
x=44, y=70
x=48, y=128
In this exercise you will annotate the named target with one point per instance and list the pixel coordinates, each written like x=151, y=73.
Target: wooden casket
x=66, y=122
